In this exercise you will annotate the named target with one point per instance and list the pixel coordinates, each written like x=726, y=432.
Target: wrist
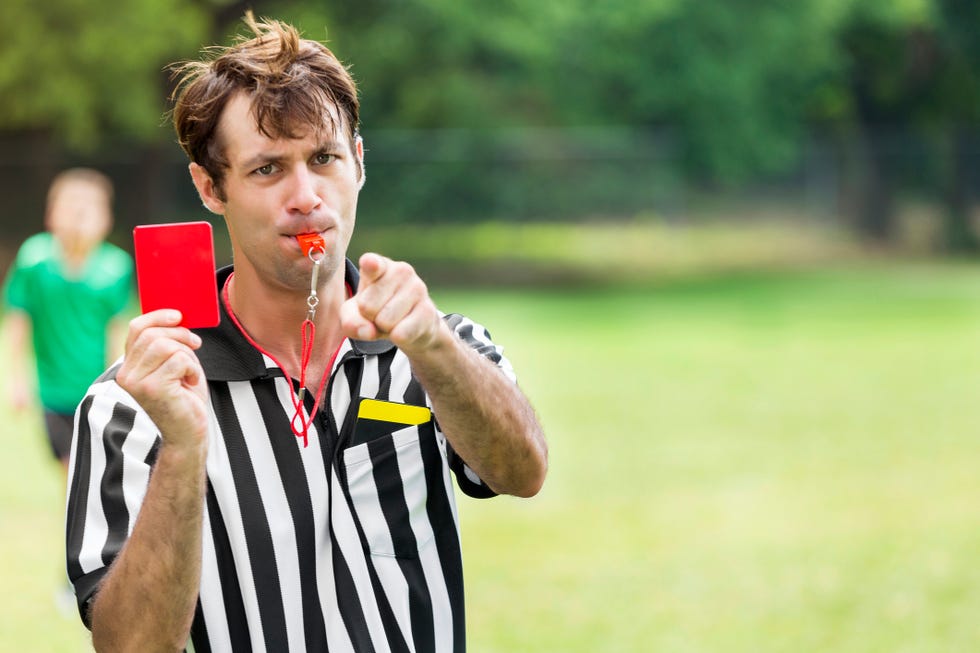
x=440, y=340
x=183, y=454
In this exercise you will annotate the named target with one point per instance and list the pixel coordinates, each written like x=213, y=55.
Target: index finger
x=164, y=317
x=159, y=317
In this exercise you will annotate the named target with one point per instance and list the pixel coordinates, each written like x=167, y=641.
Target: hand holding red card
x=175, y=269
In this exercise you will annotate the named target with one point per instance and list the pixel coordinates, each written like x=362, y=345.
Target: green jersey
x=69, y=313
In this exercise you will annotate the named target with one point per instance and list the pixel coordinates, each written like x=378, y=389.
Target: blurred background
x=856, y=117
x=730, y=247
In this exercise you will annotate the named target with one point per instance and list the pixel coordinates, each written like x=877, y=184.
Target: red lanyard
x=311, y=245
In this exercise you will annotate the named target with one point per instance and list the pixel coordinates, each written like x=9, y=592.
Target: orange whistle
x=309, y=242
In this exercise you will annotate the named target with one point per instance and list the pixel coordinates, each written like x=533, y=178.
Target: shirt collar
x=226, y=355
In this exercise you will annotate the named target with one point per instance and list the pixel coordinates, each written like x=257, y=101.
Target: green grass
x=751, y=463
x=768, y=463
x=32, y=543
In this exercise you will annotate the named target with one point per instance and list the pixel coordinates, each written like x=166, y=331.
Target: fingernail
x=364, y=333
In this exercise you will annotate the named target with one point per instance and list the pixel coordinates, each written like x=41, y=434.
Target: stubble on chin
x=298, y=277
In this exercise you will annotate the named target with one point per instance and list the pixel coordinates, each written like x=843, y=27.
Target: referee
x=275, y=483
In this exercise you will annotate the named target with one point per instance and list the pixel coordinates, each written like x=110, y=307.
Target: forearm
x=486, y=417
x=19, y=346
x=146, y=601
x=18, y=331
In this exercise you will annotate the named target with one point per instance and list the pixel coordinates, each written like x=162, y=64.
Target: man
x=64, y=293
x=194, y=511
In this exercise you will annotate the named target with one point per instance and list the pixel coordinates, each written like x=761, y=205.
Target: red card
x=175, y=269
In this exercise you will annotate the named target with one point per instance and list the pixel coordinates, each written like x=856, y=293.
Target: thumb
x=372, y=267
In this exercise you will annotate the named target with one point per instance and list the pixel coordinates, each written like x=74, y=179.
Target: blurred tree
x=909, y=68
x=434, y=63
x=959, y=108
x=85, y=81
x=733, y=80
x=83, y=70
x=715, y=73
x=880, y=93
x=738, y=86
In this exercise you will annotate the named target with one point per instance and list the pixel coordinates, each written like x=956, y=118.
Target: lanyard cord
x=308, y=330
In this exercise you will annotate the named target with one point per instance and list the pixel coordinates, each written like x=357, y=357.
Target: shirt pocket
x=386, y=482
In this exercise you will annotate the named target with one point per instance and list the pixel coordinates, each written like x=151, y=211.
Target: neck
x=73, y=258
x=273, y=318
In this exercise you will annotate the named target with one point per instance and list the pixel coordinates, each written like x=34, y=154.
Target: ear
x=205, y=188
x=359, y=144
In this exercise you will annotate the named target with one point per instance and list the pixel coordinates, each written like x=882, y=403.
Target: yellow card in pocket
x=388, y=411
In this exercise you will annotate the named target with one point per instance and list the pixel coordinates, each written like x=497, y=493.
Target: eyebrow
x=260, y=160
x=330, y=145
x=265, y=158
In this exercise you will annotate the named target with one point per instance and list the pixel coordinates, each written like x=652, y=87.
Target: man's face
x=276, y=189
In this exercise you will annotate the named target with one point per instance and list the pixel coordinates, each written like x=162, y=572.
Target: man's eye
x=323, y=158
x=265, y=170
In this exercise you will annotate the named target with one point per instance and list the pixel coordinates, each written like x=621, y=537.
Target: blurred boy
x=62, y=294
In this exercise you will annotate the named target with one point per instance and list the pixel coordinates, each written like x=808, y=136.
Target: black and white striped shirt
x=348, y=544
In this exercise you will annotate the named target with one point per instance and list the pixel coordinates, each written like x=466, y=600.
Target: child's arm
x=21, y=384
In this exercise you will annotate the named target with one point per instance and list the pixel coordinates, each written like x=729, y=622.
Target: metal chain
x=313, y=301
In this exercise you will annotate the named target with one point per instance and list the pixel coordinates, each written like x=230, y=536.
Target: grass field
x=758, y=463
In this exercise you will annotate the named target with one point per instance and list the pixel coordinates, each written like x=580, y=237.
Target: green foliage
x=434, y=63
x=730, y=91
x=911, y=66
x=89, y=70
x=960, y=84
x=717, y=73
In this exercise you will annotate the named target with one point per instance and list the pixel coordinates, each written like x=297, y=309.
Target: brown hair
x=290, y=81
x=80, y=175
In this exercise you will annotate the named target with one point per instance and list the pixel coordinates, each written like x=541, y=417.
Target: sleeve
x=477, y=337
x=113, y=451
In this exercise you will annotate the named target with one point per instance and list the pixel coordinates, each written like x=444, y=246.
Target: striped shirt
x=348, y=544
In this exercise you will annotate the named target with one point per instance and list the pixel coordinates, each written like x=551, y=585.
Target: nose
x=303, y=195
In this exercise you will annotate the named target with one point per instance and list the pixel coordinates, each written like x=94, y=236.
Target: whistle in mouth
x=310, y=242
